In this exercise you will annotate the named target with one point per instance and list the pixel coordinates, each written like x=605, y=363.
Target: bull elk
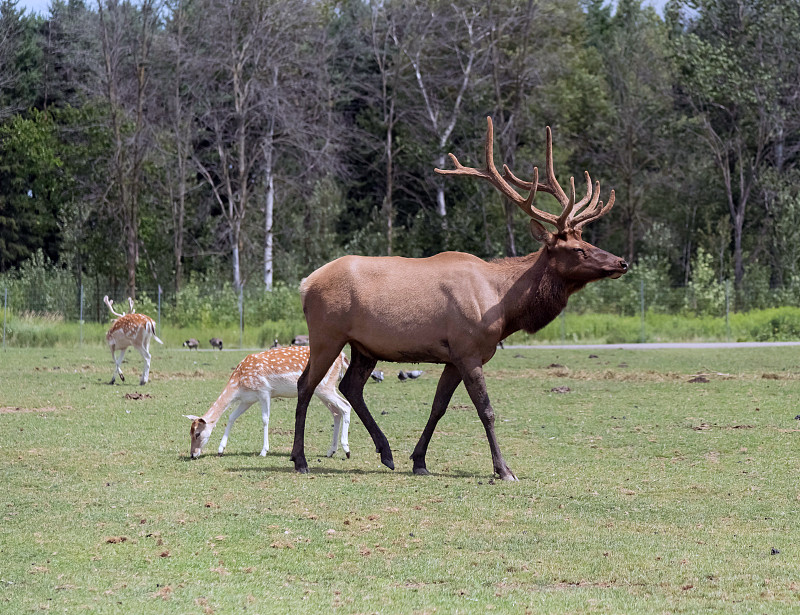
x=451, y=308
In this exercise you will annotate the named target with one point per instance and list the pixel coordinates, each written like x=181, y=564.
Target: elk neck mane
x=535, y=293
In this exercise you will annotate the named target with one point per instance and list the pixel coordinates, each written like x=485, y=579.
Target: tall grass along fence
x=53, y=310
x=46, y=315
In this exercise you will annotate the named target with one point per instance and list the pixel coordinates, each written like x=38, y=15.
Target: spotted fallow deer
x=451, y=308
x=260, y=377
x=130, y=330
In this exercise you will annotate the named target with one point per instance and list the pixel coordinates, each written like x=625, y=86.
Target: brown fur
x=452, y=308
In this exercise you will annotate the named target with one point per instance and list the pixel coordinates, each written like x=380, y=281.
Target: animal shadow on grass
x=319, y=469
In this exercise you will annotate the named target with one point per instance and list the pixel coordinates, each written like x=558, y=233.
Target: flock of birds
x=193, y=344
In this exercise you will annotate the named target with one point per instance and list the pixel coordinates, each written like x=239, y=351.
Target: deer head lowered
x=452, y=308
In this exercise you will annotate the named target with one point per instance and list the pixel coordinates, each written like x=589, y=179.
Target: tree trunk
x=269, y=206
x=388, y=204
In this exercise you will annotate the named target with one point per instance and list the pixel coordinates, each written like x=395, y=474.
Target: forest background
x=192, y=152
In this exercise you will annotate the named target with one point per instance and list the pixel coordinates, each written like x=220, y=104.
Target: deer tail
x=151, y=329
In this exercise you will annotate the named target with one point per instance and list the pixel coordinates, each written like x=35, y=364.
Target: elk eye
x=580, y=250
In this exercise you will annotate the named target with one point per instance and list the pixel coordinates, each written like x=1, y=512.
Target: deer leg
x=146, y=357
x=265, y=403
x=352, y=387
x=340, y=410
x=476, y=387
x=448, y=383
x=118, y=365
x=231, y=420
x=319, y=363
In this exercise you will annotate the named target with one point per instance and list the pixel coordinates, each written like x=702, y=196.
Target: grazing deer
x=130, y=330
x=260, y=377
x=451, y=308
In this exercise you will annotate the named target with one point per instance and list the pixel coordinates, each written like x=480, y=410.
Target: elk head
x=571, y=257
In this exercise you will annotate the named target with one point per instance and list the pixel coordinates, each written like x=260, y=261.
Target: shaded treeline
x=162, y=141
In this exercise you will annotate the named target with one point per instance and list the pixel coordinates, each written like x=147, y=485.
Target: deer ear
x=540, y=233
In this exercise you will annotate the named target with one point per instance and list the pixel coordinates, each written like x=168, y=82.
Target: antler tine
x=566, y=213
x=500, y=182
x=586, y=199
x=599, y=211
x=555, y=187
x=594, y=206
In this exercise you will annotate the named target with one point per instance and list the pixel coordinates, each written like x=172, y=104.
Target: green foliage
x=40, y=286
x=706, y=294
x=29, y=189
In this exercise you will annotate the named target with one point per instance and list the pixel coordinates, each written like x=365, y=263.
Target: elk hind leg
x=352, y=387
x=319, y=362
x=476, y=387
x=448, y=383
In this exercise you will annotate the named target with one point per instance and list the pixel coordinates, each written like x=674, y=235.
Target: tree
x=445, y=46
x=127, y=37
x=733, y=104
x=29, y=189
x=631, y=140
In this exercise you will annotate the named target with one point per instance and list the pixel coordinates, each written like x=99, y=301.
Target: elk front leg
x=448, y=383
x=476, y=387
x=352, y=387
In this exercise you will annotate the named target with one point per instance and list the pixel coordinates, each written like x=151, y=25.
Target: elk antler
x=571, y=215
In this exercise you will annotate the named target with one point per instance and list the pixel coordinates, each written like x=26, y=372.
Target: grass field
x=640, y=491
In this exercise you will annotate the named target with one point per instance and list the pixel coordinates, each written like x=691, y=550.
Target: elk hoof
x=303, y=470
x=421, y=471
x=388, y=462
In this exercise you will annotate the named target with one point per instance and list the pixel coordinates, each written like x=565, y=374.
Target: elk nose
x=623, y=265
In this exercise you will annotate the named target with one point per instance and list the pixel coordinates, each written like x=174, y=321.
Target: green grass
x=639, y=491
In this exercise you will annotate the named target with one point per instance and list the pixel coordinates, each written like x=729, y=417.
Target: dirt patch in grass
x=138, y=396
x=15, y=410
x=633, y=376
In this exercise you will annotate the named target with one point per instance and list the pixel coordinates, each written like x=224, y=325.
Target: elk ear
x=540, y=233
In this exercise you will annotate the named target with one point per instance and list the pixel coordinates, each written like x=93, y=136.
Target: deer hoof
x=347, y=454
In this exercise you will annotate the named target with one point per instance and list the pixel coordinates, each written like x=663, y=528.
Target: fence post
x=5, y=314
x=643, y=335
x=564, y=326
x=159, y=308
x=81, y=318
x=241, y=316
x=727, y=309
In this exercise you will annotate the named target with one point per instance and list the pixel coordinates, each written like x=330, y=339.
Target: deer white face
x=199, y=432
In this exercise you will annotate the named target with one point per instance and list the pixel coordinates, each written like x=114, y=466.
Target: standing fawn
x=259, y=378
x=130, y=330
